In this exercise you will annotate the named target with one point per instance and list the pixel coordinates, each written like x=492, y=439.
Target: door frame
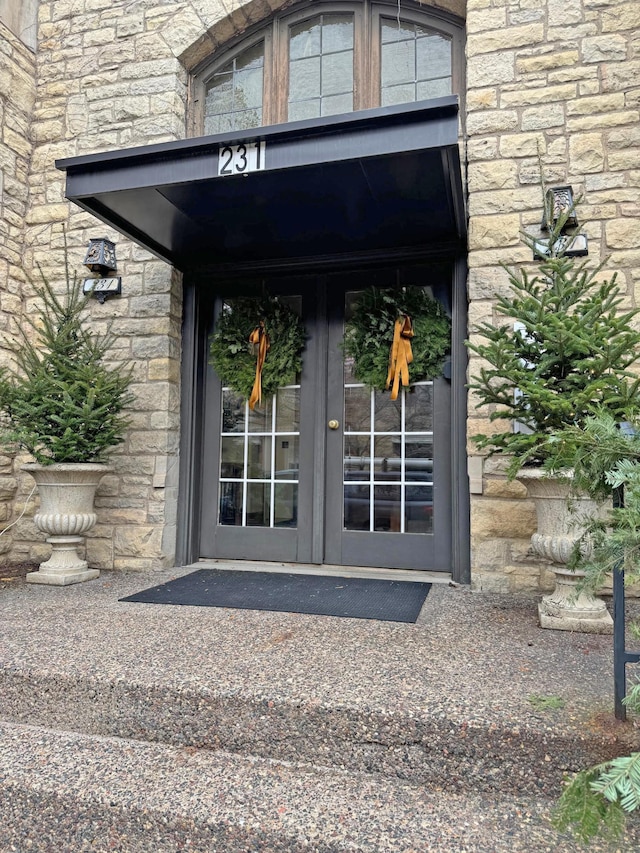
x=198, y=300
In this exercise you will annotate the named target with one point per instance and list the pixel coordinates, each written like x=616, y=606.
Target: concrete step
x=70, y=793
x=440, y=745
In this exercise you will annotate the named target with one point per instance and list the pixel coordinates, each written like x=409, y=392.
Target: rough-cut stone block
x=491, y=175
x=499, y=230
x=537, y=118
x=547, y=61
x=492, y=121
x=586, y=153
x=623, y=17
x=490, y=70
x=505, y=38
x=502, y=488
x=623, y=233
x=545, y=94
x=608, y=48
x=522, y=145
x=503, y=519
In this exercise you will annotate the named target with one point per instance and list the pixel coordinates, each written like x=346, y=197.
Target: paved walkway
x=458, y=709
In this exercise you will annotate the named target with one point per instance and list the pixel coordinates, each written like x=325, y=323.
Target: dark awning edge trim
x=438, y=108
x=140, y=192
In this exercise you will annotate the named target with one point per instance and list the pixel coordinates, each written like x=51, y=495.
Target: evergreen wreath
x=369, y=334
x=233, y=356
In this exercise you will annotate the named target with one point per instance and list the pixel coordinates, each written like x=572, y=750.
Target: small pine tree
x=61, y=402
x=565, y=353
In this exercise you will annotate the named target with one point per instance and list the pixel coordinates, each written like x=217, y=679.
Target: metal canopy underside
x=382, y=180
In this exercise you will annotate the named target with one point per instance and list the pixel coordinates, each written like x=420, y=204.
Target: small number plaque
x=241, y=159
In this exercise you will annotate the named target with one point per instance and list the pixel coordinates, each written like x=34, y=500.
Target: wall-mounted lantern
x=101, y=259
x=558, y=203
x=559, y=206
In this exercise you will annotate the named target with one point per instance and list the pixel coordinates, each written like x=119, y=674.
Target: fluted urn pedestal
x=67, y=491
x=567, y=608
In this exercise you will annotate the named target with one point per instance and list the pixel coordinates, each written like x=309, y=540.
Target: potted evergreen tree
x=62, y=403
x=565, y=353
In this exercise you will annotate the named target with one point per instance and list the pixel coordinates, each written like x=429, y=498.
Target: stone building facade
x=540, y=83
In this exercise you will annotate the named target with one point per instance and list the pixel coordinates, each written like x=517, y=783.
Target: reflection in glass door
x=260, y=460
x=327, y=470
x=388, y=459
x=388, y=464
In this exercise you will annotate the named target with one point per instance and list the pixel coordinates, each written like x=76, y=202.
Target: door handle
x=333, y=424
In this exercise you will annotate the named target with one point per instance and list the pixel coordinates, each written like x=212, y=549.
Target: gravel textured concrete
x=437, y=720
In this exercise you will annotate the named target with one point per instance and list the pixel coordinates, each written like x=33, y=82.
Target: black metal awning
x=383, y=180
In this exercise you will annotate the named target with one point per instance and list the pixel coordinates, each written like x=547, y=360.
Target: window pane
x=302, y=110
x=356, y=507
x=321, y=67
x=231, y=504
x=398, y=63
x=415, y=64
x=260, y=418
x=233, y=406
x=357, y=458
x=304, y=79
x=287, y=456
x=304, y=39
x=337, y=73
x=419, y=459
x=419, y=409
x=232, y=457
x=398, y=95
x=248, y=89
x=392, y=31
x=233, y=97
x=388, y=417
x=357, y=409
x=337, y=33
x=288, y=410
x=433, y=57
x=337, y=104
x=258, y=504
x=259, y=458
x=386, y=508
x=434, y=89
x=388, y=458
x=285, y=505
x=418, y=509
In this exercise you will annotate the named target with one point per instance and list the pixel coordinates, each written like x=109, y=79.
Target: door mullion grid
x=272, y=486
x=372, y=453
x=402, y=457
x=246, y=464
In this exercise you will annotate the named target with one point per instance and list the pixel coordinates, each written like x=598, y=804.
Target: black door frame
x=198, y=301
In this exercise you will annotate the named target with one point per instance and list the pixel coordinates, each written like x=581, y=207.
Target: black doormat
x=320, y=595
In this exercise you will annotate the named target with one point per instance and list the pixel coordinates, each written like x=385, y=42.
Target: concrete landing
x=305, y=732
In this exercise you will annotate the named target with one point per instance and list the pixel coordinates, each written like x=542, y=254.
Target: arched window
x=329, y=59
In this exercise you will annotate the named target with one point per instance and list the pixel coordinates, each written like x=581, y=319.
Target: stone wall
x=554, y=79
x=17, y=94
x=560, y=81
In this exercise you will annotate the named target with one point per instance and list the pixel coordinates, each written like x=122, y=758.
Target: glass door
x=388, y=461
x=328, y=470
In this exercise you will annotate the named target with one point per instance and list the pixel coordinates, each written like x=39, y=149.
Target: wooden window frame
x=367, y=16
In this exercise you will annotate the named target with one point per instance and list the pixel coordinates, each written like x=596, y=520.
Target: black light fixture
x=559, y=203
x=559, y=207
x=101, y=259
x=101, y=256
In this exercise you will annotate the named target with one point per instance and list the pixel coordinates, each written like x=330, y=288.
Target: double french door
x=328, y=470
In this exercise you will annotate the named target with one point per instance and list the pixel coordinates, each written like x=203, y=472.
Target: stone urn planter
x=66, y=513
x=567, y=608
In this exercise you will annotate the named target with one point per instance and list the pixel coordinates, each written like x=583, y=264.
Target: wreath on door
x=401, y=335
x=256, y=346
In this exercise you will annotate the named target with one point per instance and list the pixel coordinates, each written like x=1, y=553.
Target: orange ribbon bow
x=400, y=356
x=260, y=340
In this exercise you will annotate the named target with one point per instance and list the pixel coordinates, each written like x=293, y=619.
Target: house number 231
x=241, y=159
